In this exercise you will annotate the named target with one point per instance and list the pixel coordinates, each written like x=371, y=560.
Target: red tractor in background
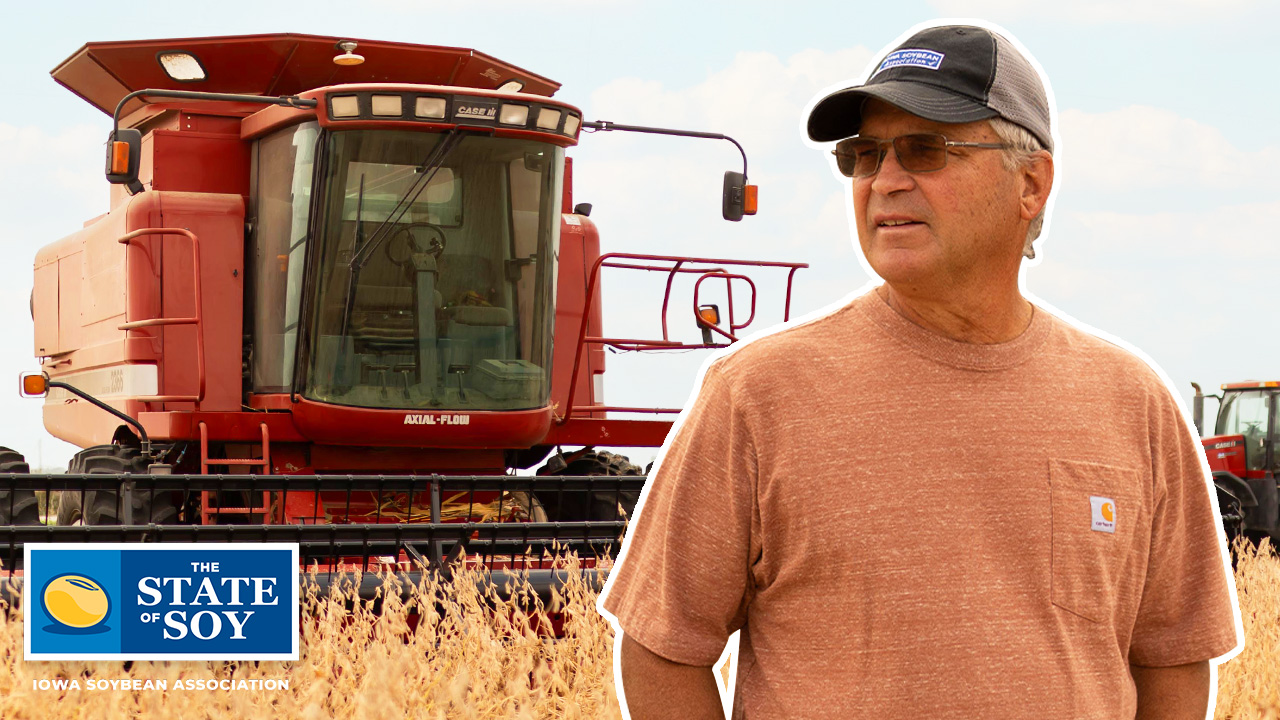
x=1242, y=456
x=340, y=299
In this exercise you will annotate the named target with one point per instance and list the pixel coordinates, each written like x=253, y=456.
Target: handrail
x=678, y=266
x=162, y=321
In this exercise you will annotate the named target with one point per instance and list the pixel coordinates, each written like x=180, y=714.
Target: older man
x=937, y=500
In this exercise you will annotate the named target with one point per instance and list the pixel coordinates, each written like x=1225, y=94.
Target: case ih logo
x=476, y=111
x=437, y=419
x=115, y=601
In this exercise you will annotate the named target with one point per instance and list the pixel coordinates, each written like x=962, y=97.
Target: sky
x=1162, y=230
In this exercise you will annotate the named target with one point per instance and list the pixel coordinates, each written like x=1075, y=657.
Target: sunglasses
x=918, y=153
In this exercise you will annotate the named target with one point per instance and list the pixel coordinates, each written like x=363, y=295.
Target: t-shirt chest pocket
x=1096, y=514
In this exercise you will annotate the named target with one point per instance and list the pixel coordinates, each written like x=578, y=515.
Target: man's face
x=950, y=229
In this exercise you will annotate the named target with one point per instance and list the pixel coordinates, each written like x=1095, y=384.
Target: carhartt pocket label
x=1104, y=513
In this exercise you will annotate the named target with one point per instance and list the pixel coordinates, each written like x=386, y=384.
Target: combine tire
x=537, y=513
x=102, y=507
x=69, y=511
x=597, y=504
x=17, y=507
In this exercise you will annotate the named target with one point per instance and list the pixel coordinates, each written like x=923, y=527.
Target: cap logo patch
x=1104, y=513
x=911, y=57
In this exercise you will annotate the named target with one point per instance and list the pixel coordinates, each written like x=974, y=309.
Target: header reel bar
x=371, y=536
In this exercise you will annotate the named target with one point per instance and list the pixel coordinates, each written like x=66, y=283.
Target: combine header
x=342, y=295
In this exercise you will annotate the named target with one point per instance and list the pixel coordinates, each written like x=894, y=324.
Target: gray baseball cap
x=950, y=74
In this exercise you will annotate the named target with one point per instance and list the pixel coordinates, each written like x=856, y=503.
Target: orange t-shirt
x=907, y=526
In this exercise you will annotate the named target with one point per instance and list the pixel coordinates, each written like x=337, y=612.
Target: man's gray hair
x=1022, y=145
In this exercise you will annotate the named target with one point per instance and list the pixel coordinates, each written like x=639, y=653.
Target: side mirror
x=124, y=153
x=738, y=198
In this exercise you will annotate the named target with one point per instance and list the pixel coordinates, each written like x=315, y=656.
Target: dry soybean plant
x=471, y=655
x=1249, y=684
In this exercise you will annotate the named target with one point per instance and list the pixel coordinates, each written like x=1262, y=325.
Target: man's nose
x=891, y=176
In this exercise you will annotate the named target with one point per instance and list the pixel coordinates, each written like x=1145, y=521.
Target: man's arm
x=1172, y=693
x=656, y=688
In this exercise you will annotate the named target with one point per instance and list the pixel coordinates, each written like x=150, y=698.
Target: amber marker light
x=709, y=314
x=708, y=317
x=749, y=200
x=35, y=385
x=348, y=56
x=119, y=157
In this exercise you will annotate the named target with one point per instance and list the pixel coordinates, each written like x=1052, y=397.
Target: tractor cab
x=1242, y=454
x=1247, y=417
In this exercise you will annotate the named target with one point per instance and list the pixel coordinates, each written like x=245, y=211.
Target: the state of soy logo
x=77, y=603
x=171, y=601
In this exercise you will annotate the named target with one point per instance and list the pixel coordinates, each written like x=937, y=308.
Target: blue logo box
x=165, y=601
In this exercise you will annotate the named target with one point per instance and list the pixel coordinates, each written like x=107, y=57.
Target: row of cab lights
x=434, y=108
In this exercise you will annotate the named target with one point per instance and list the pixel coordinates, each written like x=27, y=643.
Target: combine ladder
x=208, y=514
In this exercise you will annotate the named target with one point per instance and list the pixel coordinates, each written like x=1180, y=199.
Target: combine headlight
x=514, y=115
x=388, y=105
x=571, y=124
x=548, y=119
x=344, y=106
x=430, y=107
x=182, y=66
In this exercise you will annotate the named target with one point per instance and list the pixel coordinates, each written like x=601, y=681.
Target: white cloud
x=59, y=171
x=53, y=182
x=1191, y=287
x=29, y=143
x=1098, y=11
x=1214, y=235
x=662, y=195
x=1140, y=147
x=758, y=98
x=435, y=8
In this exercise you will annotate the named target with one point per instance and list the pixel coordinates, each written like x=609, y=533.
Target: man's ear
x=1037, y=181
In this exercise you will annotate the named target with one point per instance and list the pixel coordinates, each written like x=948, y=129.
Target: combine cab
x=341, y=297
x=1242, y=456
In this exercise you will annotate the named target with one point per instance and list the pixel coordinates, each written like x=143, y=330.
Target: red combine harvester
x=342, y=295
x=1242, y=456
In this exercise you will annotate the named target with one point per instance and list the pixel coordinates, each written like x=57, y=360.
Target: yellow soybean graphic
x=76, y=601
